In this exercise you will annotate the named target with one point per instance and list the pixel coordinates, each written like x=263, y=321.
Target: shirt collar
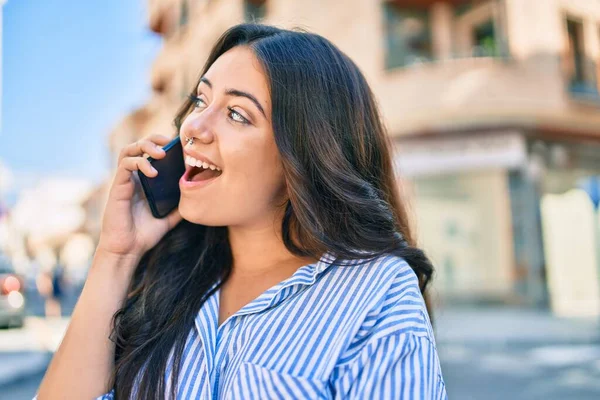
x=326, y=260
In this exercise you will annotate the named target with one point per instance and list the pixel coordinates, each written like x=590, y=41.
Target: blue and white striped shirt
x=327, y=332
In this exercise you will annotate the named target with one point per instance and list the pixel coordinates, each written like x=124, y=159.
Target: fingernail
x=154, y=169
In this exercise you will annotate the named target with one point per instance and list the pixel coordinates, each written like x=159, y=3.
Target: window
x=184, y=16
x=255, y=10
x=408, y=37
x=484, y=40
x=575, y=52
x=580, y=70
x=480, y=29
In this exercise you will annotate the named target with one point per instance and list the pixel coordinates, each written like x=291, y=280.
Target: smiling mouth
x=197, y=174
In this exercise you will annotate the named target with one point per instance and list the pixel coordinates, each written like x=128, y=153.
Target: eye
x=237, y=117
x=197, y=101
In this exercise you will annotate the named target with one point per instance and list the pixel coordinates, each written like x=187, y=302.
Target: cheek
x=260, y=176
x=258, y=168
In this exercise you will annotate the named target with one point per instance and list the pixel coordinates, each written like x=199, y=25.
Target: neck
x=259, y=249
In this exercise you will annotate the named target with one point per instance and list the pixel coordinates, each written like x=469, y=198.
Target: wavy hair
x=342, y=190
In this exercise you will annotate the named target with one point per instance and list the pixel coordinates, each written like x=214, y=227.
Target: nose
x=199, y=127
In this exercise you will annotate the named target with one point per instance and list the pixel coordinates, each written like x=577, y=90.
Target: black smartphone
x=162, y=191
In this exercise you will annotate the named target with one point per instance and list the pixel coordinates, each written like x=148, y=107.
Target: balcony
x=478, y=93
x=447, y=66
x=163, y=16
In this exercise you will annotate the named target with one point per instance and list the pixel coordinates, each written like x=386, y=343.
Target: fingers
x=150, y=145
x=130, y=164
x=132, y=158
x=160, y=139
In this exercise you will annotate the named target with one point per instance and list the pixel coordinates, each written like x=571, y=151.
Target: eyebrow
x=238, y=93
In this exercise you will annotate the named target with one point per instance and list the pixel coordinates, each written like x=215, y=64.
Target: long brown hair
x=343, y=198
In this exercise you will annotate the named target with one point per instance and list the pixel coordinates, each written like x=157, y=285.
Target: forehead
x=239, y=69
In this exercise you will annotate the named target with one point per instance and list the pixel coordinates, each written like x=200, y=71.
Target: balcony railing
x=413, y=60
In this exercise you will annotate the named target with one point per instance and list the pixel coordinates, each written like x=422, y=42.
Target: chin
x=199, y=214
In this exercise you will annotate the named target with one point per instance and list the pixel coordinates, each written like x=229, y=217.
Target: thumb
x=174, y=218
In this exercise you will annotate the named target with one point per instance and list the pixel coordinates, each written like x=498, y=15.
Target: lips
x=197, y=177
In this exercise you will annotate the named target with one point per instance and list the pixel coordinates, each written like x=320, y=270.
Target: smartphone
x=162, y=191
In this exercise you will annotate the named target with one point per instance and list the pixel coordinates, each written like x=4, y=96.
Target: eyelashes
x=233, y=115
x=195, y=100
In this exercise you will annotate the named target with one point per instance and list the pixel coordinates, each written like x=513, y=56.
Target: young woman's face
x=231, y=127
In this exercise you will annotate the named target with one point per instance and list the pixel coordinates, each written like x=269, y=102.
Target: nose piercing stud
x=188, y=140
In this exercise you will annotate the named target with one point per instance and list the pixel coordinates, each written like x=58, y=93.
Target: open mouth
x=197, y=174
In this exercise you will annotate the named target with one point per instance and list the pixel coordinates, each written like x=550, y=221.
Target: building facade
x=494, y=109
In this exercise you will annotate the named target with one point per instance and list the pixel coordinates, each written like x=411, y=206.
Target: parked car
x=12, y=295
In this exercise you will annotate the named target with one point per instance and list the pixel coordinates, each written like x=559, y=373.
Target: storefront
x=485, y=213
x=568, y=187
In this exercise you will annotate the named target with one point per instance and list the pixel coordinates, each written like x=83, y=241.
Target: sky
x=71, y=71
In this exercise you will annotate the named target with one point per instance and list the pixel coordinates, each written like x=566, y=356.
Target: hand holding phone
x=129, y=228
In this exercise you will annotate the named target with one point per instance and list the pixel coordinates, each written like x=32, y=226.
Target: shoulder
x=380, y=271
x=391, y=311
x=394, y=304
x=389, y=279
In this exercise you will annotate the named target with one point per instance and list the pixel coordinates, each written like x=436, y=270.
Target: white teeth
x=189, y=160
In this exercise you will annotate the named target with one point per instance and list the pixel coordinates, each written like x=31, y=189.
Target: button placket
x=221, y=354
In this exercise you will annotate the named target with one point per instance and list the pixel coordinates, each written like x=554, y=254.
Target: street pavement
x=525, y=372
x=491, y=354
x=501, y=354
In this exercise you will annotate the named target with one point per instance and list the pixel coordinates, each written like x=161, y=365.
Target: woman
x=287, y=270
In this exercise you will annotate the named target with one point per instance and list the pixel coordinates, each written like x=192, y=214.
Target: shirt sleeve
x=399, y=366
x=393, y=354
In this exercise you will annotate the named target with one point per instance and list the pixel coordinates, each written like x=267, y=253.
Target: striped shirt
x=329, y=331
